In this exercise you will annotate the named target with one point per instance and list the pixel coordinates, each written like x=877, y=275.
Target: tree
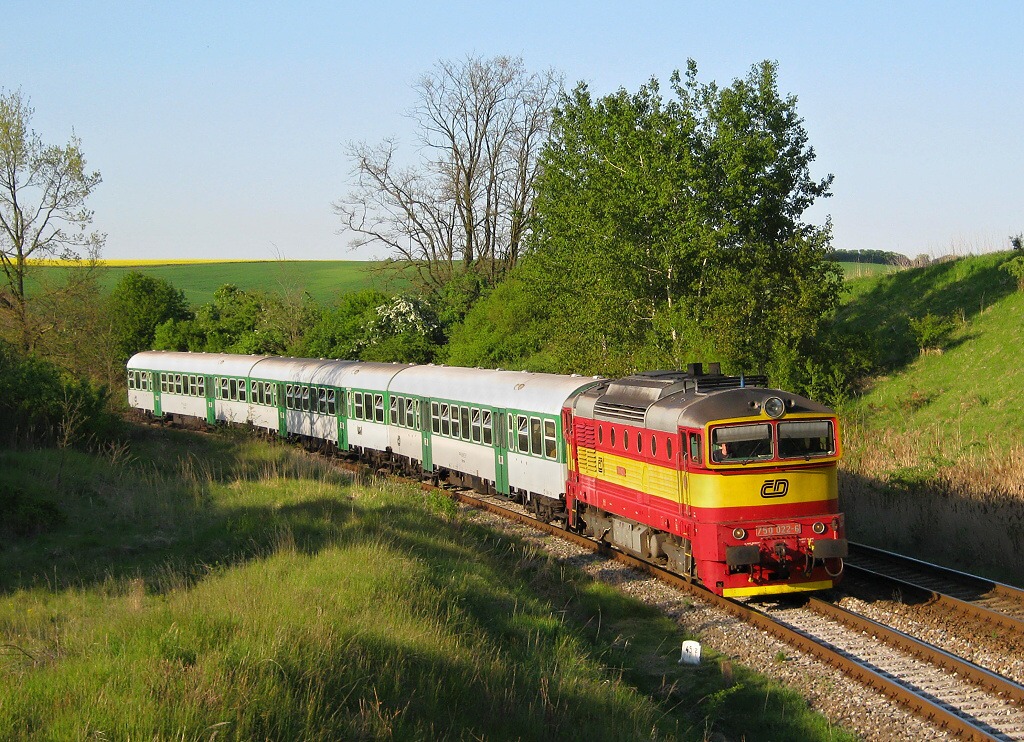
x=43, y=190
x=138, y=305
x=466, y=206
x=670, y=230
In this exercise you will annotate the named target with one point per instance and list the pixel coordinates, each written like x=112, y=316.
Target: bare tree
x=466, y=205
x=43, y=189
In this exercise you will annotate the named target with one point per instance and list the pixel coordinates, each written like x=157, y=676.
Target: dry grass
x=930, y=496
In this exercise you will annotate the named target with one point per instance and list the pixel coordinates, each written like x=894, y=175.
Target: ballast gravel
x=842, y=701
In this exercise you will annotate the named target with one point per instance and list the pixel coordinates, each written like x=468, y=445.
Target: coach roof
x=209, y=364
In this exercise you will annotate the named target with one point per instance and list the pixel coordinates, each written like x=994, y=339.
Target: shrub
x=931, y=331
x=1015, y=267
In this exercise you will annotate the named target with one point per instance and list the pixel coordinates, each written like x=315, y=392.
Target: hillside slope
x=934, y=447
x=974, y=387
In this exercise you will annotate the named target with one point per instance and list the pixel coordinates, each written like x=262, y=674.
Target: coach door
x=425, y=429
x=211, y=400
x=500, y=451
x=282, y=411
x=158, y=409
x=342, y=410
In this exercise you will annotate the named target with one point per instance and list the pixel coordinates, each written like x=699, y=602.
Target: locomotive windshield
x=806, y=438
x=741, y=443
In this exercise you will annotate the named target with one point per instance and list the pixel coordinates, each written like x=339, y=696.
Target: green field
x=861, y=270
x=324, y=280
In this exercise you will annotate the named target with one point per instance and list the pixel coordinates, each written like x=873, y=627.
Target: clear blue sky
x=220, y=128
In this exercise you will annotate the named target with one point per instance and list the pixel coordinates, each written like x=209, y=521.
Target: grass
x=202, y=587
x=324, y=280
x=860, y=270
x=933, y=462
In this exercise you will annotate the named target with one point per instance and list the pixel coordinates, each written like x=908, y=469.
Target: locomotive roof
x=518, y=390
x=667, y=400
x=212, y=364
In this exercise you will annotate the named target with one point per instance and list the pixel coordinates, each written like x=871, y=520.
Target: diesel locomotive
x=720, y=478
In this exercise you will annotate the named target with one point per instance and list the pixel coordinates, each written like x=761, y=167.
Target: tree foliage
x=138, y=305
x=239, y=321
x=466, y=205
x=371, y=326
x=43, y=190
x=671, y=230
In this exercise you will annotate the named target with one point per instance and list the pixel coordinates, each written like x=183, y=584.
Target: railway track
x=997, y=606
x=967, y=701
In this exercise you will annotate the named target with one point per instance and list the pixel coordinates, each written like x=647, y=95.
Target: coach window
x=454, y=410
x=241, y=391
x=410, y=413
x=177, y=383
x=536, y=439
x=446, y=421
x=393, y=410
x=523, y=433
x=435, y=417
x=550, y=442
x=321, y=401
x=358, y=400
x=378, y=407
x=488, y=432
x=233, y=389
x=464, y=411
x=475, y=423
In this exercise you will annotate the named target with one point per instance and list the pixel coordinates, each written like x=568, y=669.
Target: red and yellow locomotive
x=720, y=478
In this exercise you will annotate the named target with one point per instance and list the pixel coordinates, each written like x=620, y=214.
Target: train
x=719, y=478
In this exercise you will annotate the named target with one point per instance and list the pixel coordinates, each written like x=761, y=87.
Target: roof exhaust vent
x=695, y=369
x=715, y=369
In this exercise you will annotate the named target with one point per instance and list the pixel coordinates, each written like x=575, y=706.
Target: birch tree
x=43, y=214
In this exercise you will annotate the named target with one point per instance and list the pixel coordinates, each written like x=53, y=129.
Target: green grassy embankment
x=935, y=447
x=200, y=587
x=324, y=280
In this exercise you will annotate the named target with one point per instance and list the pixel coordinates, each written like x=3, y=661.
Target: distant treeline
x=879, y=257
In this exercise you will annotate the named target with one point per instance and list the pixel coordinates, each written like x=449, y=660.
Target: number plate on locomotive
x=782, y=529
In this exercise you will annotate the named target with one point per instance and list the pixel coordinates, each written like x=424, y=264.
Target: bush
x=1015, y=268
x=40, y=405
x=931, y=331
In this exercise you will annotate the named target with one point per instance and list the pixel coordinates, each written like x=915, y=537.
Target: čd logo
x=775, y=488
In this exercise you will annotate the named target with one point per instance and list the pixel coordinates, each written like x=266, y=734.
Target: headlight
x=774, y=407
x=818, y=528
x=739, y=534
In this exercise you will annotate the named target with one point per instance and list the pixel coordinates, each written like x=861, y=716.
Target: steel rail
x=918, y=705
x=986, y=679
x=972, y=608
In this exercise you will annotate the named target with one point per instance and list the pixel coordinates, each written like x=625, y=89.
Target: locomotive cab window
x=741, y=443
x=695, y=448
x=804, y=439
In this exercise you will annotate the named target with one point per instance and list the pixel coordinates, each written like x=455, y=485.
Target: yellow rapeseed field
x=135, y=262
